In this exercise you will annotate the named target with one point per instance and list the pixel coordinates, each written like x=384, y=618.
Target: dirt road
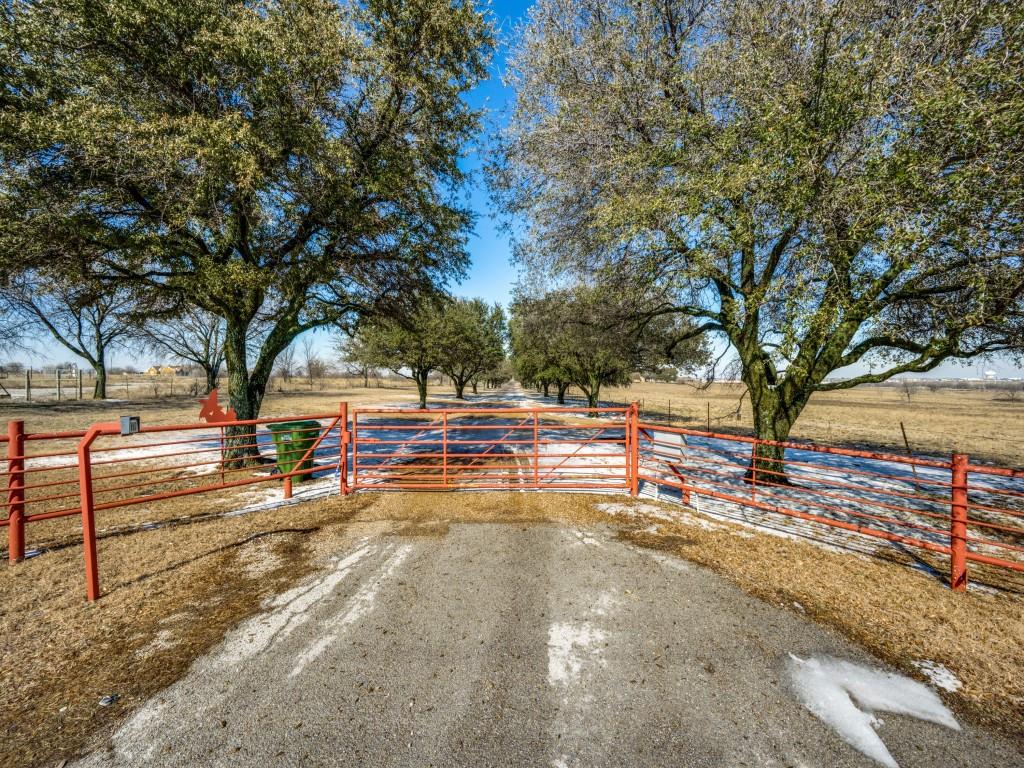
x=505, y=644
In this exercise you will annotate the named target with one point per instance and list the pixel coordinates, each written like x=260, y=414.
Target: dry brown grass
x=983, y=423
x=170, y=594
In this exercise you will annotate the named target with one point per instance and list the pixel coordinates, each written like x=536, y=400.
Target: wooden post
x=28, y=384
x=58, y=383
x=958, y=525
x=15, y=491
x=709, y=415
x=79, y=383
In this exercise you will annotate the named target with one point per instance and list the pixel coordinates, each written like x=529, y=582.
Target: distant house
x=166, y=370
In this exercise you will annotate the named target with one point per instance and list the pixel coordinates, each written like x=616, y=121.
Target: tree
x=473, y=341
x=88, y=320
x=285, y=364
x=285, y=159
x=410, y=345
x=588, y=336
x=353, y=357
x=193, y=336
x=499, y=374
x=313, y=367
x=834, y=189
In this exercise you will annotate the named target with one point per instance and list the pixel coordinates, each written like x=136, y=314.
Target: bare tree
x=286, y=363
x=81, y=317
x=312, y=365
x=194, y=336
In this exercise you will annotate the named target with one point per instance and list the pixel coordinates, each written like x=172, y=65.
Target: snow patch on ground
x=939, y=674
x=846, y=697
x=164, y=639
x=360, y=605
x=260, y=559
x=650, y=510
x=570, y=647
x=291, y=610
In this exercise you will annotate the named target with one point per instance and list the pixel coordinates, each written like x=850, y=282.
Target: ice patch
x=845, y=696
x=939, y=674
x=292, y=610
x=361, y=604
x=569, y=647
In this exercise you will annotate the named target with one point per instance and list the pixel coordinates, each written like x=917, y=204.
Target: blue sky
x=491, y=275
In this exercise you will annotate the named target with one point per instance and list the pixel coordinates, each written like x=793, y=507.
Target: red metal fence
x=490, y=448
x=64, y=474
x=967, y=512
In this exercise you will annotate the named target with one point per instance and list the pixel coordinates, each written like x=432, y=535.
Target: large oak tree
x=834, y=188
x=285, y=162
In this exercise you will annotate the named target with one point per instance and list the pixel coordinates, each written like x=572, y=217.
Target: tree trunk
x=544, y=386
x=474, y=387
x=211, y=377
x=245, y=395
x=421, y=386
x=773, y=420
x=460, y=387
x=562, y=388
x=99, y=390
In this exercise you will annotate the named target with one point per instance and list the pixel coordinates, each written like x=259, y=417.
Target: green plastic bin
x=292, y=439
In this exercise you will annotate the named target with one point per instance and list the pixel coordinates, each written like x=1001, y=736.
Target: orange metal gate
x=492, y=448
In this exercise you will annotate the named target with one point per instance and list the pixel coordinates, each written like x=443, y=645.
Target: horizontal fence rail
x=952, y=508
x=82, y=473
x=969, y=513
x=494, y=448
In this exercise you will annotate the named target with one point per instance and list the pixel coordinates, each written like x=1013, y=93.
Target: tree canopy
x=472, y=341
x=833, y=188
x=464, y=338
x=289, y=162
x=589, y=336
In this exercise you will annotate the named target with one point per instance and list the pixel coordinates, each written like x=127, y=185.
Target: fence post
x=444, y=449
x=343, y=451
x=355, y=449
x=15, y=491
x=536, y=449
x=92, y=573
x=79, y=383
x=634, y=449
x=58, y=383
x=28, y=384
x=958, y=525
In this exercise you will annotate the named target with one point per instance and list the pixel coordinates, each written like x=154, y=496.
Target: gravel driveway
x=509, y=644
